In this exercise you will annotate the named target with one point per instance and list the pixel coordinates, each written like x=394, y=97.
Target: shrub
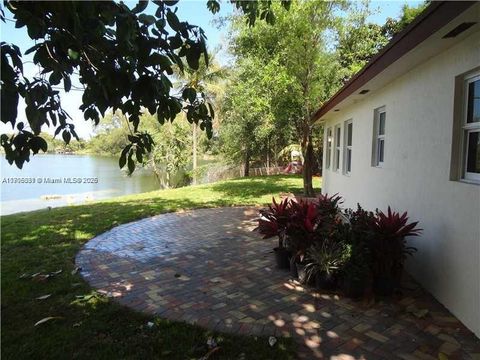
x=356, y=273
x=326, y=257
x=388, y=246
x=267, y=226
x=329, y=206
x=273, y=221
x=300, y=229
x=361, y=222
x=365, y=247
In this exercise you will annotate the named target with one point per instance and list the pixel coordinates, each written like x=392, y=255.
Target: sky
x=193, y=11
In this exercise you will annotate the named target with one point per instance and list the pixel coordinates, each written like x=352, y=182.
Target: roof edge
x=432, y=19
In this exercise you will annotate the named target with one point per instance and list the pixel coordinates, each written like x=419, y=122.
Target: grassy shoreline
x=47, y=241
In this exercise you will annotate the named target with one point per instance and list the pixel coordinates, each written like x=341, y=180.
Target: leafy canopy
x=123, y=58
x=304, y=75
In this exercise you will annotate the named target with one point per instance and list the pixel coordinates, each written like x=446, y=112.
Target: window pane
x=338, y=136
x=473, y=156
x=349, y=160
x=337, y=159
x=380, y=150
x=473, y=112
x=329, y=147
x=381, y=124
x=349, y=134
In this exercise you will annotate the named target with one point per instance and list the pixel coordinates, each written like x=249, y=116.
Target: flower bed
x=357, y=250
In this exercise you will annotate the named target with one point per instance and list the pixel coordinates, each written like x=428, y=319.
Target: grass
x=46, y=241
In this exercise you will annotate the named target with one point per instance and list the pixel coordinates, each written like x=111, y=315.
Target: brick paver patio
x=207, y=267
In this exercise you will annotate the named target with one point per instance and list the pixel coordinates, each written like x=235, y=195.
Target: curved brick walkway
x=207, y=267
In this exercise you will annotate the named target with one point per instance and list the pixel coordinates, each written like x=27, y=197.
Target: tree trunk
x=275, y=159
x=307, y=149
x=168, y=180
x=156, y=171
x=194, y=135
x=246, y=170
x=268, y=156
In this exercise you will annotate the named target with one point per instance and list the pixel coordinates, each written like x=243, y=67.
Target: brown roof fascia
x=434, y=17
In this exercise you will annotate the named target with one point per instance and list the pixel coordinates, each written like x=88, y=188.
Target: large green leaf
x=173, y=21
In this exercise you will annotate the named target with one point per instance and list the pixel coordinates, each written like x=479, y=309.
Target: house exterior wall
x=416, y=175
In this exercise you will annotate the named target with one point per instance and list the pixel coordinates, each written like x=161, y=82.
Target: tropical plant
x=304, y=215
x=301, y=228
x=207, y=80
x=356, y=273
x=327, y=256
x=394, y=226
x=268, y=227
x=361, y=222
x=328, y=206
x=280, y=210
x=365, y=248
x=171, y=151
x=388, y=246
x=273, y=220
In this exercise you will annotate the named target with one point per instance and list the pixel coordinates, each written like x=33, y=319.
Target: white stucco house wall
x=405, y=132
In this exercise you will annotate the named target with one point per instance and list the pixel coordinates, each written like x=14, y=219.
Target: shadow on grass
x=47, y=241
x=252, y=187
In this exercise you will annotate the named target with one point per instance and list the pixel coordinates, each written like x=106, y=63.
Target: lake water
x=59, y=180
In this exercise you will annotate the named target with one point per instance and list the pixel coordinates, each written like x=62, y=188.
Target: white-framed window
x=471, y=129
x=337, y=145
x=379, y=123
x=329, y=147
x=347, y=147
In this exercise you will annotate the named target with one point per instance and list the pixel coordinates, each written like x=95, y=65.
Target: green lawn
x=47, y=241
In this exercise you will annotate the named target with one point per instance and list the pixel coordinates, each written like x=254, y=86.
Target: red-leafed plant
x=374, y=246
x=280, y=211
x=273, y=220
x=394, y=224
x=328, y=206
x=388, y=246
x=329, y=213
x=304, y=219
x=267, y=226
x=304, y=214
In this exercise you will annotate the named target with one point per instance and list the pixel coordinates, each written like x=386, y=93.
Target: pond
x=58, y=180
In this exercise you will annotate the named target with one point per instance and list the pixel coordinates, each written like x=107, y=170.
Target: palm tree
x=207, y=80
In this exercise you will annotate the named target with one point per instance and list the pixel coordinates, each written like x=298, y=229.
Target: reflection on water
x=58, y=180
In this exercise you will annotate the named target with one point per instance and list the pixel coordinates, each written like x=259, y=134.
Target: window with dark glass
x=471, y=130
x=329, y=147
x=348, y=146
x=379, y=123
x=338, y=133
